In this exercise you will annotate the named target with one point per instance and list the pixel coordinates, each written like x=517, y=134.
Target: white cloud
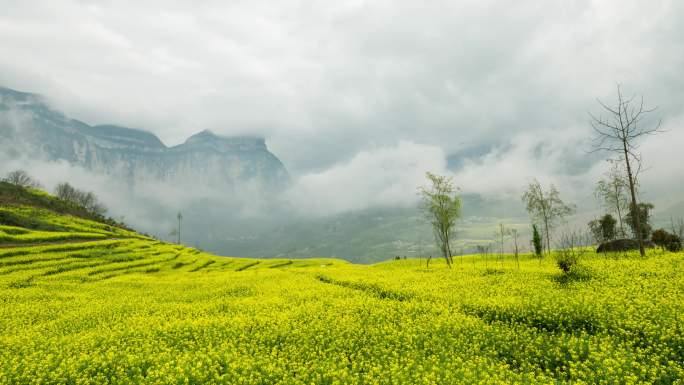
x=335, y=86
x=663, y=169
x=385, y=176
x=323, y=81
x=547, y=156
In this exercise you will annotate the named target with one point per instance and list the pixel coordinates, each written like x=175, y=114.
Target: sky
x=366, y=95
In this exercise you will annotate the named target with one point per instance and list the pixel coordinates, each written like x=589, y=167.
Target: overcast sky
x=331, y=84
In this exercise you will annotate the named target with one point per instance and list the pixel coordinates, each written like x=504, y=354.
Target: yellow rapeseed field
x=126, y=310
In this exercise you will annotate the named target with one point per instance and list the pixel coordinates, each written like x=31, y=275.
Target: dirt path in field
x=61, y=242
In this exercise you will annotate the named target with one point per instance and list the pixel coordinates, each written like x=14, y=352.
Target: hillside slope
x=124, y=308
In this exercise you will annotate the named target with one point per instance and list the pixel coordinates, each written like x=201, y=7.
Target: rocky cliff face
x=29, y=126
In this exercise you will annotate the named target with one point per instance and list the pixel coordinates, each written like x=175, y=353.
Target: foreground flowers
x=122, y=311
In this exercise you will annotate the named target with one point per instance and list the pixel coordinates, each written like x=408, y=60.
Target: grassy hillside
x=97, y=304
x=11, y=195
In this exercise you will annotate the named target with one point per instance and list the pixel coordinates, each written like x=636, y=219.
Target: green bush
x=566, y=262
x=571, y=247
x=536, y=241
x=668, y=241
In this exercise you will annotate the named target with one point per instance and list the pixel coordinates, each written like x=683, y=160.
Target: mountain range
x=31, y=126
x=215, y=179
x=237, y=170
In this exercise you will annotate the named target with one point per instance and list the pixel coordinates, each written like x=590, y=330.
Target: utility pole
x=180, y=217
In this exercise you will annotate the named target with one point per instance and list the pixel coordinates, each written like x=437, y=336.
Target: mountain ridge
x=136, y=154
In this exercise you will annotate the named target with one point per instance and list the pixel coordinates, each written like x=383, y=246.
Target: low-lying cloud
x=558, y=157
x=323, y=81
x=385, y=176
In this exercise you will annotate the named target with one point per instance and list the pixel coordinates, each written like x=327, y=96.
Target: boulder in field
x=625, y=244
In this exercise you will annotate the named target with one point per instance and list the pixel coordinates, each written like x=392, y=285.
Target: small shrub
x=571, y=247
x=566, y=261
x=667, y=241
x=578, y=273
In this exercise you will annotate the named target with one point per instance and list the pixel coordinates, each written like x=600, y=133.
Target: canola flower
x=132, y=310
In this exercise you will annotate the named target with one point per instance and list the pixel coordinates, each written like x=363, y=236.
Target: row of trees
x=618, y=130
x=22, y=179
x=442, y=207
x=613, y=192
x=86, y=199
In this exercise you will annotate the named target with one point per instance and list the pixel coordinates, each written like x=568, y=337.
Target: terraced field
x=121, y=308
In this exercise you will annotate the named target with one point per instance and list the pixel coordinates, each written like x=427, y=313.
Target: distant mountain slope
x=363, y=236
x=29, y=125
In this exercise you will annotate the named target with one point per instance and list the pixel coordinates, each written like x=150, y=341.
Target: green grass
x=30, y=224
x=11, y=234
x=11, y=195
x=129, y=309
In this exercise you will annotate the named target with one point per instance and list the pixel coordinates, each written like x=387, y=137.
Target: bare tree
x=613, y=191
x=442, y=207
x=21, y=178
x=502, y=233
x=618, y=132
x=480, y=250
x=514, y=232
x=677, y=227
x=90, y=202
x=546, y=208
x=66, y=192
x=85, y=199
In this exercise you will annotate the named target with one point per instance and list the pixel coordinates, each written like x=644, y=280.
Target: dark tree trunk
x=635, y=208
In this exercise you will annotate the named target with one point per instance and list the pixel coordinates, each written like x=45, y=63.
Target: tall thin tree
x=503, y=232
x=442, y=207
x=618, y=132
x=537, y=242
x=514, y=232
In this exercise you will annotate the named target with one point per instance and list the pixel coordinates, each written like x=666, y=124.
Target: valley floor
x=134, y=310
